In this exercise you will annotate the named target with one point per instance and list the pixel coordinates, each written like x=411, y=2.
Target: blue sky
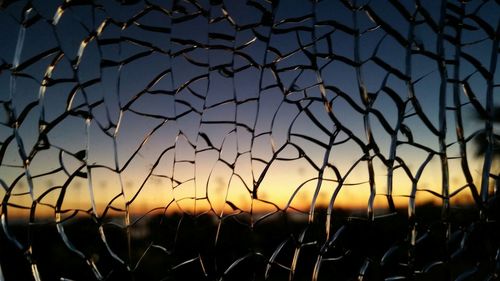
x=216, y=136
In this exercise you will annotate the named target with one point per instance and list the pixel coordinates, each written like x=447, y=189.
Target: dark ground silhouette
x=467, y=251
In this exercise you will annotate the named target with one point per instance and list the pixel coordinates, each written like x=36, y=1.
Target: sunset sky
x=191, y=113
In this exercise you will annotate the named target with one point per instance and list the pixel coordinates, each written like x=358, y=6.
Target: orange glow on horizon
x=160, y=200
x=289, y=187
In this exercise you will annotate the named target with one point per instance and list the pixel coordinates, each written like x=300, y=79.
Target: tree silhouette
x=481, y=138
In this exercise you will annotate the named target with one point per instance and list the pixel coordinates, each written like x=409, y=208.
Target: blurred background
x=249, y=140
